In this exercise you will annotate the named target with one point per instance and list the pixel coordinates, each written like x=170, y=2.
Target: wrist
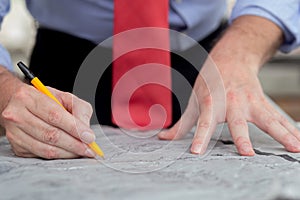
x=8, y=85
x=230, y=61
x=248, y=43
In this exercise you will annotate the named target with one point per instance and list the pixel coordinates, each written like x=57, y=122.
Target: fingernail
x=197, y=149
x=87, y=137
x=90, y=153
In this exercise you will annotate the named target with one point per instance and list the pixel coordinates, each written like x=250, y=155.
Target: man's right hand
x=36, y=126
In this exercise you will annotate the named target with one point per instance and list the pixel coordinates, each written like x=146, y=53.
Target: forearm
x=249, y=41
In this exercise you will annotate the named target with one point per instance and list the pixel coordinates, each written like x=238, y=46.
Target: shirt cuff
x=283, y=14
x=5, y=59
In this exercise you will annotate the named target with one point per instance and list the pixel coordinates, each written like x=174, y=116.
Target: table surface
x=139, y=166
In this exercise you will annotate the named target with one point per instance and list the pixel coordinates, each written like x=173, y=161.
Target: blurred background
x=280, y=77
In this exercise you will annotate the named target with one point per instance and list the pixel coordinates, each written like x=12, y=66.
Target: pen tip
x=96, y=149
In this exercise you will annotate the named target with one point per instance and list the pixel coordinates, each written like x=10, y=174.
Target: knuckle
x=231, y=96
x=6, y=114
x=13, y=140
x=203, y=125
x=17, y=150
x=250, y=97
x=86, y=118
x=10, y=115
x=22, y=154
x=74, y=130
x=9, y=136
x=54, y=117
x=263, y=99
x=208, y=101
x=68, y=94
x=89, y=108
x=22, y=93
x=18, y=153
x=192, y=115
x=77, y=148
x=197, y=140
x=238, y=122
x=51, y=135
x=283, y=120
x=18, y=142
x=270, y=121
x=50, y=153
x=287, y=138
x=253, y=98
x=240, y=140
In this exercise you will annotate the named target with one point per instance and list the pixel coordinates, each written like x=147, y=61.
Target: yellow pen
x=42, y=88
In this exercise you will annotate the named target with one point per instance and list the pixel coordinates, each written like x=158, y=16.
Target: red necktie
x=141, y=77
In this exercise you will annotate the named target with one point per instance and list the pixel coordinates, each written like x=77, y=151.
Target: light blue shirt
x=4, y=56
x=92, y=19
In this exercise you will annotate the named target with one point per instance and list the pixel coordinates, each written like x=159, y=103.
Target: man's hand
x=249, y=42
x=36, y=126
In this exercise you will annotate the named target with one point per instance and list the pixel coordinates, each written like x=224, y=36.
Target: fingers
x=35, y=143
x=180, y=129
x=291, y=128
x=51, y=135
x=43, y=150
x=204, y=130
x=277, y=128
x=82, y=110
x=206, y=124
x=184, y=124
x=21, y=152
x=238, y=127
x=34, y=123
x=202, y=136
x=53, y=114
x=284, y=122
x=23, y=142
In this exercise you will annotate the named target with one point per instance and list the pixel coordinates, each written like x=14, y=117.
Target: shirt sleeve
x=284, y=13
x=4, y=55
